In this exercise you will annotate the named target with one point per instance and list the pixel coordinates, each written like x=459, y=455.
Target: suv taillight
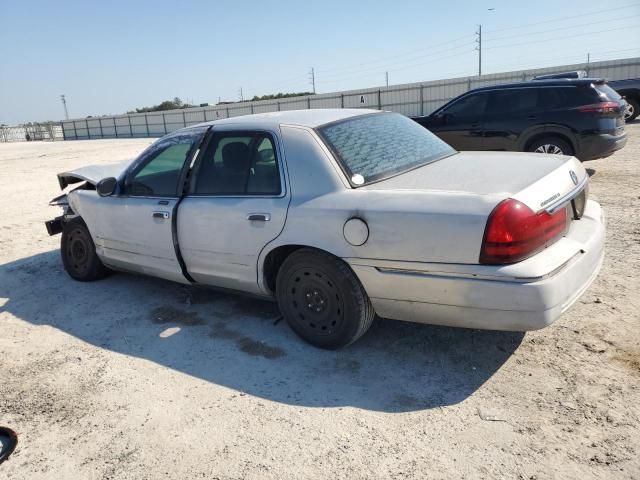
x=603, y=107
x=515, y=232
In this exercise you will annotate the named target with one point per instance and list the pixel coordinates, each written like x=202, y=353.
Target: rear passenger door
x=237, y=203
x=509, y=113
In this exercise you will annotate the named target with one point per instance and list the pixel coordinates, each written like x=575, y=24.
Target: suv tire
x=551, y=145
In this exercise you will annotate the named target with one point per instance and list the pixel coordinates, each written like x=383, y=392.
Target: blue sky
x=112, y=56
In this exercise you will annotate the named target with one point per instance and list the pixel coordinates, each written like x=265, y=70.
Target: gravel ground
x=136, y=378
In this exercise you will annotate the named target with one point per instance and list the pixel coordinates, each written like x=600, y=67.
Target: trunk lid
x=539, y=181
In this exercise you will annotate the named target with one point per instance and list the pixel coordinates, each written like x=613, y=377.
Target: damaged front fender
x=92, y=174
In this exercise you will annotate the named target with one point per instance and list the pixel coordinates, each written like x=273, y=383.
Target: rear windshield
x=607, y=93
x=380, y=145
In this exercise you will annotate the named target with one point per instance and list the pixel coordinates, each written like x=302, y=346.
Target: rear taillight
x=515, y=232
x=603, y=107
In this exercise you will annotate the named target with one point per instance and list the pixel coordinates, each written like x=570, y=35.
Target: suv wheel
x=551, y=145
x=322, y=299
x=632, y=110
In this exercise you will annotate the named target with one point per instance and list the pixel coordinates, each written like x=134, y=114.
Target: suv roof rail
x=552, y=76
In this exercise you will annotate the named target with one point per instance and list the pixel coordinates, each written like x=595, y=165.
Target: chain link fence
x=33, y=132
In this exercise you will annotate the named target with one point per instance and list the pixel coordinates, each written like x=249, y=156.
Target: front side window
x=380, y=145
x=159, y=172
x=471, y=106
x=242, y=163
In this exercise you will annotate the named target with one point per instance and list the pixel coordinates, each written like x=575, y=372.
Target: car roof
x=554, y=82
x=306, y=118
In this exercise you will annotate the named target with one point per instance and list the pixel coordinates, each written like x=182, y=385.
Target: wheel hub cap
x=316, y=301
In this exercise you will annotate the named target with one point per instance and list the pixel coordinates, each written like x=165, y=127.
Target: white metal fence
x=48, y=131
x=409, y=99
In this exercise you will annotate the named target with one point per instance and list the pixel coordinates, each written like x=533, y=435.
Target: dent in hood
x=92, y=173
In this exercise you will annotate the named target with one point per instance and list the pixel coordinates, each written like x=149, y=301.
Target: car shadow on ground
x=239, y=343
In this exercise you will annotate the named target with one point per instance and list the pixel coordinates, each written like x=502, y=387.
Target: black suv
x=582, y=117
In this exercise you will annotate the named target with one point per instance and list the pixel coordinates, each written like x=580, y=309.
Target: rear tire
x=551, y=145
x=322, y=299
x=79, y=253
x=632, y=111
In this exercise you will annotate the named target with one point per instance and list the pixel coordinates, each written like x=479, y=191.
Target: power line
x=561, y=28
x=563, y=37
x=402, y=62
x=384, y=59
x=559, y=19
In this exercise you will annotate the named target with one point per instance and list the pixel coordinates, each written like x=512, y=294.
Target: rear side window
x=512, y=101
x=553, y=98
x=379, y=145
x=238, y=163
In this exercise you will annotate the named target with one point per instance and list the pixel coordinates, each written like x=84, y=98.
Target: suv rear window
x=379, y=145
x=561, y=97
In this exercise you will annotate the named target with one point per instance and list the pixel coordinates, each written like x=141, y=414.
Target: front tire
x=79, y=253
x=551, y=145
x=322, y=299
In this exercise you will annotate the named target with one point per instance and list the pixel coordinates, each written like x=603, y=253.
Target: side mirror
x=106, y=186
x=441, y=118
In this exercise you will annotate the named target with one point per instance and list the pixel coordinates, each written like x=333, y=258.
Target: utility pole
x=588, y=62
x=386, y=77
x=64, y=104
x=241, y=95
x=479, y=49
x=312, y=78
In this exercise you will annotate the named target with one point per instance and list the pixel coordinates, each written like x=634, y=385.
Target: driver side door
x=460, y=124
x=133, y=230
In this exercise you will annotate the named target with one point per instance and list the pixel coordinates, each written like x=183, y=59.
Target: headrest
x=235, y=156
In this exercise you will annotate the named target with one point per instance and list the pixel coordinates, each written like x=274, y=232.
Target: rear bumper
x=493, y=300
x=592, y=147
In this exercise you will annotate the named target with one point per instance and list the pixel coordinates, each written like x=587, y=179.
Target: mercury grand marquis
x=341, y=215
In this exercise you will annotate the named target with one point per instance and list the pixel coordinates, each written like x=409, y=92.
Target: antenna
x=241, y=95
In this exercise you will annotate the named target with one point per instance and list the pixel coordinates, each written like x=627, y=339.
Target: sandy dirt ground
x=137, y=378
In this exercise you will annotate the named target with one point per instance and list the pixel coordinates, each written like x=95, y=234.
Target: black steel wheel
x=79, y=253
x=322, y=299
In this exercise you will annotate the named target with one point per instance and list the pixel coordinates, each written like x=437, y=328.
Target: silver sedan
x=340, y=215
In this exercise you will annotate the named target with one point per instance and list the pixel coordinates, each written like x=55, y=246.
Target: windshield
x=380, y=145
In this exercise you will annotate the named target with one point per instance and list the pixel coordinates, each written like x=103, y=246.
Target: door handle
x=259, y=217
x=162, y=215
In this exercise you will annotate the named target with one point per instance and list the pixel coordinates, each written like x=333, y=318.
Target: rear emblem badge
x=574, y=177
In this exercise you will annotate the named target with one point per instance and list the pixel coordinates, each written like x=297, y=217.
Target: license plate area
x=578, y=204
x=54, y=226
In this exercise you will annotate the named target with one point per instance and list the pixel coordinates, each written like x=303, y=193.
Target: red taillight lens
x=515, y=232
x=603, y=107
